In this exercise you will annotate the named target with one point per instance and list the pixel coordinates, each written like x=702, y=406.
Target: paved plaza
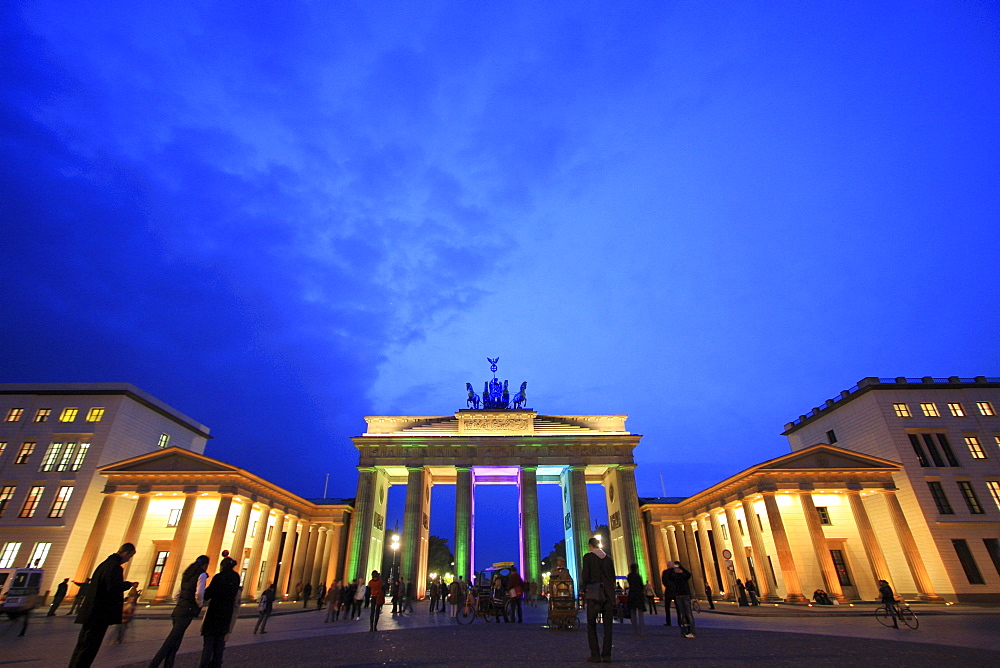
x=947, y=637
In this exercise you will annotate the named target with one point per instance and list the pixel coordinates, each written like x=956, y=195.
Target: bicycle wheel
x=466, y=615
x=695, y=605
x=907, y=617
x=883, y=616
x=490, y=615
x=572, y=623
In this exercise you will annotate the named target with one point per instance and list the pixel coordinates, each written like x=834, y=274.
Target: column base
x=931, y=598
x=796, y=598
x=840, y=598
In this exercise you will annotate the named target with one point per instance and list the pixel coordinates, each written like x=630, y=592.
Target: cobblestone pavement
x=302, y=639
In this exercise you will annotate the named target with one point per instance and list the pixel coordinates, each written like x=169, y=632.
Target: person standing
x=650, y=598
x=221, y=596
x=265, y=606
x=411, y=593
x=347, y=599
x=333, y=601
x=306, y=595
x=889, y=601
x=708, y=595
x=360, y=595
x=741, y=594
x=320, y=595
x=377, y=597
x=395, y=585
x=636, y=600
x=57, y=600
x=752, y=592
x=81, y=595
x=455, y=597
x=190, y=598
x=434, y=593
x=668, y=591
x=680, y=579
x=597, y=580
x=102, y=606
x=515, y=590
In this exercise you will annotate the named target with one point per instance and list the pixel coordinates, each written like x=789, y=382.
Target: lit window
x=956, y=410
x=38, y=555
x=992, y=485
x=13, y=415
x=902, y=410
x=725, y=531
x=43, y=414
x=940, y=500
x=62, y=500
x=270, y=529
x=7, y=492
x=985, y=408
x=971, y=500
x=739, y=523
x=68, y=414
x=164, y=440
x=930, y=410
x=974, y=447
x=236, y=521
x=26, y=449
x=824, y=514
x=51, y=455
x=995, y=438
x=831, y=437
x=158, y=564
x=95, y=414
x=81, y=452
x=67, y=457
x=31, y=503
x=3, y=447
x=174, y=518
x=9, y=554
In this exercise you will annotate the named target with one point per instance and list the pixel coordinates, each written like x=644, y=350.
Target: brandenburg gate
x=494, y=441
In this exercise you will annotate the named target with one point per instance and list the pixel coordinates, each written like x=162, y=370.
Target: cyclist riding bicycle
x=889, y=600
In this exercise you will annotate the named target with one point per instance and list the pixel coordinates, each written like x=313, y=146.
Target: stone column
x=531, y=558
x=925, y=589
x=675, y=553
x=322, y=573
x=171, y=568
x=86, y=565
x=818, y=538
x=240, y=539
x=876, y=558
x=720, y=546
x=661, y=554
x=412, y=515
x=333, y=565
x=361, y=525
x=300, y=557
x=285, y=574
x=463, y=522
x=214, y=551
x=736, y=540
x=274, y=549
x=135, y=523
x=707, y=563
x=310, y=573
x=793, y=590
x=764, y=578
x=581, y=511
x=256, y=555
x=693, y=562
x=628, y=501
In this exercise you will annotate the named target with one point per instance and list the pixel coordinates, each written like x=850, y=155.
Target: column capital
x=626, y=467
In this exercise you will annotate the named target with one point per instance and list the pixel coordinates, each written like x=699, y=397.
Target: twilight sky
x=281, y=217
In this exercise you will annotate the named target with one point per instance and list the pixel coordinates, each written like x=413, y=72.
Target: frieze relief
x=502, y=424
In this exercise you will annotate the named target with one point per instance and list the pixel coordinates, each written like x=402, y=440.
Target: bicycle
x=903, y=613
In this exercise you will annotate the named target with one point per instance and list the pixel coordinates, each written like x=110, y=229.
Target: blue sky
x=282, y=217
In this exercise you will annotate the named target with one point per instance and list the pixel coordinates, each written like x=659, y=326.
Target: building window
x=992, y=485
x=3, y=447
x=13, y=415
x=831, y=437
x=725, y=531
x=43, y=414
x=918, y=450
x=62, y=500
x=932, y=448
x=174, y=518
x=946, y=448
x=270, y=529
x=68, y=414
x=39, y=554
x=956, y=410
x=930, y=410
x=158, y=564
x=902, y=410
x=51, y=455
x=968, y=562
x=7, y=492
x=253, y=530
x=996, y=439
x=760, y=522
x=940, y=499
x=31, y=503
x=993, y=549
x=81, y=452
x=985, y=408
x=236, y=521
x=9, y=554
x=971, y=500
x=841, y=566
x=164, y=440
x=974, y=448
x=26, y=449
x=739, y=523
x=824, y=514
x=95, y=414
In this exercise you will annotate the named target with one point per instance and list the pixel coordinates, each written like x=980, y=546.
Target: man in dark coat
x=221, y=596
x=668, y=590
x=599, y=570
x=680, y=578
x=102, y=607
x=57, y=600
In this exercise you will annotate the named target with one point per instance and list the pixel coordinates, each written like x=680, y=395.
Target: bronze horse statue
x=473, y=400
x=522, y=396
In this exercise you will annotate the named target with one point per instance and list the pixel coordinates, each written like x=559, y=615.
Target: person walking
x=221, y=595
x=455, y=596
x=597, y=581
x=752, y=592
x=395, y=586
x=668, y=591
x=347, y=599
x=434, y=593
x=60, y=594
x=306, y=595
x=320, y=595
x=889, y=601
x=741, y=594
x=515, y=590
x=102, y=606
x=190, y=600
x=411, y=593
x=377, y=594
x=333, y=602
x=680, y=580
x=636, y=600
x=708, y=595
x=265, y=606
x=650, y=598
x=360, y=594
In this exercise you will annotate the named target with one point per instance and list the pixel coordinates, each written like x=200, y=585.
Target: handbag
x=594, y=592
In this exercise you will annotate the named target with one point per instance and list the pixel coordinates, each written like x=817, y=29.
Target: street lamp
x=395, y=548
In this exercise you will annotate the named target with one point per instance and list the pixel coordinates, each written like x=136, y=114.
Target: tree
x=558, y=550
x=439, y=556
